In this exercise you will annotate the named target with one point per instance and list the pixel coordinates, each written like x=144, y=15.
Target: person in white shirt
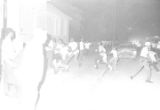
x=8, y=63
x=144, y=52
x=81, y=45
x=74, y=51
x=87, y=45
x=31, y=73
x=146, y=57
x=114, y=59
x=81, y=52
x=74, y=47
x=102, y=57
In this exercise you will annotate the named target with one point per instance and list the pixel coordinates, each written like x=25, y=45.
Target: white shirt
x=152, y=56
x=101, y=49
x=81, y=45
x=64, y=52
x=114, y=53
x=104, y=57
x=158, y=45
x=87, y=45
x=73, y=45
x=144, y=52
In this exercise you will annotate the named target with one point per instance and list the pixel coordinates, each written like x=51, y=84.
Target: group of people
x=60, y=54
x=49, y=52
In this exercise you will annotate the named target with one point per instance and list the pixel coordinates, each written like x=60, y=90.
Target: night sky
x=117, y=19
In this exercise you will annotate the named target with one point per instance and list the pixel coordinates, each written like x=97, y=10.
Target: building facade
x=24, y=16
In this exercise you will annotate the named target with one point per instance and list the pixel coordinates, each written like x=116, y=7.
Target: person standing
x=73, y=46
x=81, y=52
x=31, y=73
x=102, y=56
x=114, y=59
x=8, y=64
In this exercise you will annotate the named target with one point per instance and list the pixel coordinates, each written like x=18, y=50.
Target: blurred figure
x=8, y=64
x=87, y=46
x=81, y=52
x=61, y=52
x=102, y=58
x=114, y=58
x=101, y=55
x=74, y=50
x=153, y=59
x=30, y=74
x=147, y=59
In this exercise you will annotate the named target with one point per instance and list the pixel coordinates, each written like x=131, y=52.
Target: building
x=58, y=23
x=24, y=16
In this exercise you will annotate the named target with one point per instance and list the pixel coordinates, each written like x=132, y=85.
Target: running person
x=102, y=57
x=145, y=61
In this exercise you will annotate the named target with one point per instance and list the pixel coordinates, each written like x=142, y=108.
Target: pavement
x=84, y=88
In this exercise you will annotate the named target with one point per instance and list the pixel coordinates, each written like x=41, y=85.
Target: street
x=84, y=88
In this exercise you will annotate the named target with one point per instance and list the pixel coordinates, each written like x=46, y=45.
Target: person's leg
x=97, y=61
x=9, y=80
x=111, y=64
x=149, y=74
x=70, y=59
x=114, y=62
